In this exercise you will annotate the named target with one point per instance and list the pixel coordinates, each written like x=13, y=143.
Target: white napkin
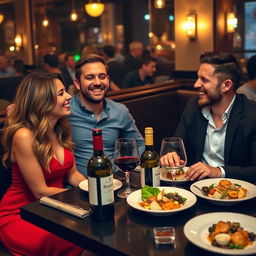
x=68, y=208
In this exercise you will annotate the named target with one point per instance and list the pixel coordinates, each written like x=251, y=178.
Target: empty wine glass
x=126, y=158
x=174, y=147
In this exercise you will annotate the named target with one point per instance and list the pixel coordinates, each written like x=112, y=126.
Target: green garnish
x=148, y=191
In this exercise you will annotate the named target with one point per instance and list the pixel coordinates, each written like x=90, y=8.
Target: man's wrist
x=222, y=172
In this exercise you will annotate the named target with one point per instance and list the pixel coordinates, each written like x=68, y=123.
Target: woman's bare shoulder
x=23, y=134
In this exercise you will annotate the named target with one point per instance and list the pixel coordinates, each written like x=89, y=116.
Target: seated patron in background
x=19, y=67
x=38, y=148
x=91, y=109
x=142, y=76
x=5, y=68
x=68, y=70
x=116, y=70
x=218, y=127
x=51, y=63
x=132, y=60
x=249, y=88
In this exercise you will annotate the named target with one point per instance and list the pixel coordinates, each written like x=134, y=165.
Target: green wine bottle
x=100, y=180
x=150, y=173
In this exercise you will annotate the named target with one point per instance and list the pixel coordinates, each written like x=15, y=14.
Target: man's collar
x=206, y=111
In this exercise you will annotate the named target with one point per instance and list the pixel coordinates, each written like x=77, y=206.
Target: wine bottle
x=150, y=173
x=100, y=180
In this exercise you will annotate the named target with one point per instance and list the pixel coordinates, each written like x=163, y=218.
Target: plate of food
x=161, y=201
x=166, y=176
x=224, y=191
x=84, y=184
x=223, y=232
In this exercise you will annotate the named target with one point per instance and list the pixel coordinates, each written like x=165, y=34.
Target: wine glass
x=175, y=146
x=126, y=157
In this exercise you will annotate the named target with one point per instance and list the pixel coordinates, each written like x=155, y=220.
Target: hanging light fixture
x=18, y=41
x=73, y=14
x=1, y=17
x=94, y=8
x=159, y=4
x=45, y=21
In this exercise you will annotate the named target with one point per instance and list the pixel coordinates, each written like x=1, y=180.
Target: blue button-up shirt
x=115, y=122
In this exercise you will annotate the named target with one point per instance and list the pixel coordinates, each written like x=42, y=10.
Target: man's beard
x=212, y=99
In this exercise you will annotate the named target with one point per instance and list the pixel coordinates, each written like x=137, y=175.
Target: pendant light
x=159, y=4
x=73, y=14
x=94, y=8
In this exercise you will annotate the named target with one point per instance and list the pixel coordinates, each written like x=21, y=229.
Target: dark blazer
x=67, y=77
x=240, y=140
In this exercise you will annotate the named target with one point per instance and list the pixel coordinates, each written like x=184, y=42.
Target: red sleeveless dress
x=21, y=237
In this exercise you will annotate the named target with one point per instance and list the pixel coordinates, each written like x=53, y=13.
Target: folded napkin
x=68, y=208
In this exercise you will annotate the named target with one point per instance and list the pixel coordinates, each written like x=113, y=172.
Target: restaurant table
x=130, y=232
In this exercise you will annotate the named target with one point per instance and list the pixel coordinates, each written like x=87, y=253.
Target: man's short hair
x=226, y=66
x=51, y=60
x=251, y=68
x=135, y=45
x=109, y=50
x=92, y=58
x=146, y=59
x=68, y=55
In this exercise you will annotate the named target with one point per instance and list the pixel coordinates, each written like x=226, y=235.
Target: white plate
x=163, y=173
x=84, y=184
x=196, y=231
x=135, y=197
x=251, y=191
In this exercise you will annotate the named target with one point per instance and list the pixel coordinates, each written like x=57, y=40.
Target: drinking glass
x=126, y=158
x=174, y=144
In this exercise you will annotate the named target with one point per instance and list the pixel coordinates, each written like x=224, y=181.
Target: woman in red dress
x=39, y=150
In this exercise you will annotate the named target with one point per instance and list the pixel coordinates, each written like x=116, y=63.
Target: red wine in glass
x=127, y=163
x=126, y=157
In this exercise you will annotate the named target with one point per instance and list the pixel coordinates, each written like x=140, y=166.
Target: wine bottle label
x=150, y=176
x=101, y=190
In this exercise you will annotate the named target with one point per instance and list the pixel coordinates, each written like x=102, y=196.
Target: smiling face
x=208, y=86
x=94, y=82
x=62, y=107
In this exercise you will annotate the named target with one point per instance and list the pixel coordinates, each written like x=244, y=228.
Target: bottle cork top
x=148, y=130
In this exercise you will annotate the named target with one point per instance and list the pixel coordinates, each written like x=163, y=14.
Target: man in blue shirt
x=90, y=109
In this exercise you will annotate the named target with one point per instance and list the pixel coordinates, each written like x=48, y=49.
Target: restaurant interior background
x=23, y=35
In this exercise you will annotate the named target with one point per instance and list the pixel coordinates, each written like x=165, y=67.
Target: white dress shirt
x=213, y=154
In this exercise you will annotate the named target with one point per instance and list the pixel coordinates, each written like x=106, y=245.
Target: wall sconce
x=18, y=41
x=94, y=8
x=159, y=4
x=230, y=22
x=1, y=17
x=191, y=25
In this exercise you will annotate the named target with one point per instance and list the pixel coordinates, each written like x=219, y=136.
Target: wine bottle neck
x=97, y=144
x=149, y=147
x=149, y=140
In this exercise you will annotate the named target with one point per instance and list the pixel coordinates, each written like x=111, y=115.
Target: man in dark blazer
x=68, y=70
x=218, y=127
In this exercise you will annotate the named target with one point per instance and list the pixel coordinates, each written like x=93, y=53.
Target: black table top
x=130, y=232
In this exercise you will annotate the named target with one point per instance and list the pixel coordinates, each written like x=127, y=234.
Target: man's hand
x=201, y=170
x=171, y=160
